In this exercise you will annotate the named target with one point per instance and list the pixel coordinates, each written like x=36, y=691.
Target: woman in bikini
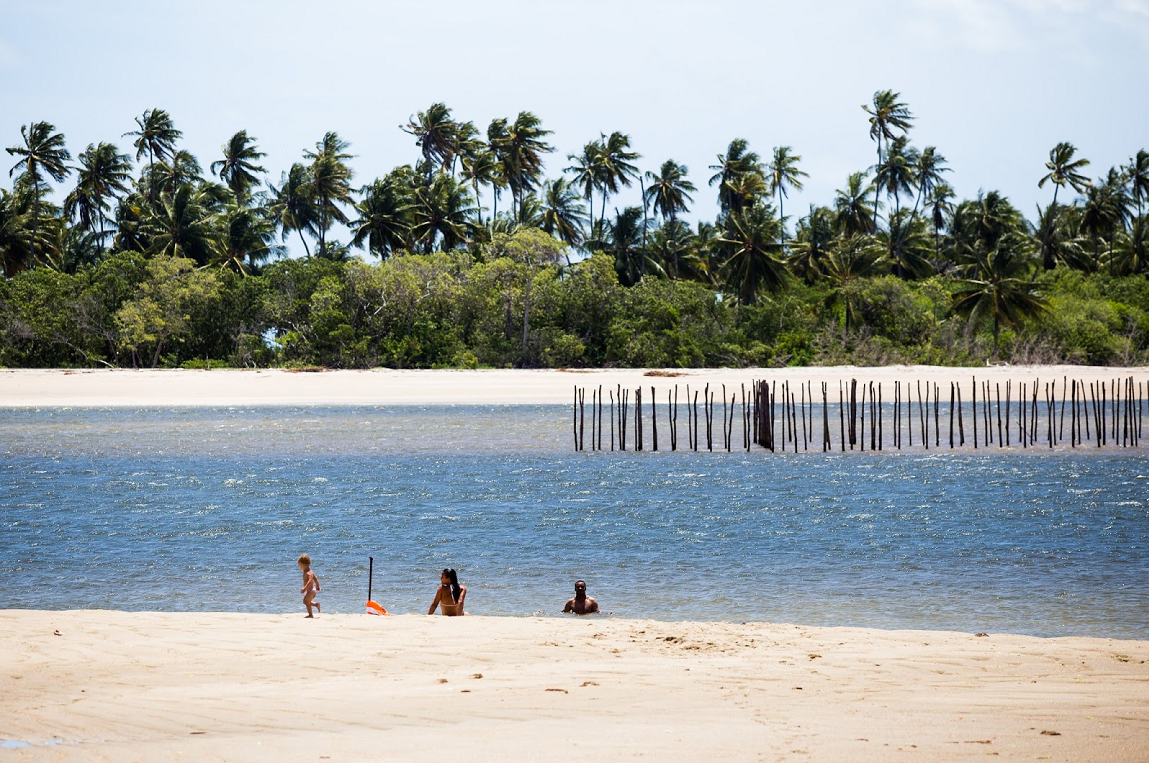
x=449, y=598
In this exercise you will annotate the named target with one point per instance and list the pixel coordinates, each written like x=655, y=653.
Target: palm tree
x=156, y=135
x=852, y=214
x=616, y=163
x=183, y=226
x=15, y=214
x=43, y=153
x=481, y=167
x=435, y=133
x=1058, y=238
x=939, y=204
x=519, y=147
x=738, y=162
x=441, y=210
x=1063, y=171
x=383, y=222
x=624, y=241
x=999, y=285
x=330, y=182
x=103, y=175
x=852, y=257
x=1131, y=252
x=754, y=262
x=783, y=172
x=928, y=174
x=562, y=213
x=238, y=168
x=245, y=239
x=1137, y=173
x=886, y=115
x=1106, y=207
x=907, y=245
x=292, y=207
x=896, y=174
x=811, y=244
x=587, y=171
x=669, y=192
x=183, y=169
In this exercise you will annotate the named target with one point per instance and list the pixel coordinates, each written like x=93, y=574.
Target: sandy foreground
x=101, y=685
x=123, y=387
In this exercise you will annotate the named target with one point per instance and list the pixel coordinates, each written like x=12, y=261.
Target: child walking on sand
x=310, y=585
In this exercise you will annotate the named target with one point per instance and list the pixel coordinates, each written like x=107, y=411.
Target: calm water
x=207, y=509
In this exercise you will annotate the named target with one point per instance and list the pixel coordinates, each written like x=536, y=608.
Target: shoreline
x=33, y=388
x=112, y=685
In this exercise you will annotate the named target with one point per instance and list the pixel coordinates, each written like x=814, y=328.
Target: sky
x=993, y=84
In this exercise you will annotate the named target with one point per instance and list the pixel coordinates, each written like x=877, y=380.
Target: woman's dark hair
x=455, y=588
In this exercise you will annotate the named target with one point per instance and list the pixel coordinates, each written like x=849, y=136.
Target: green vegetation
x=164, y=266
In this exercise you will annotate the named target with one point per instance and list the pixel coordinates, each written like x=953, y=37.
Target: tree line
x=158, y=263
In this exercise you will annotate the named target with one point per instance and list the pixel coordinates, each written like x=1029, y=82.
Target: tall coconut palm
x=616, y=162
x=156, y=135
x=237, y=168
x=481, y=168
x=42, y=155
x=1064, y=171
x=562, y=213
x=852, y=214
x=939, y=204
x=292, y=208
x=737, y=163
x=245, y=239
x=183, y=226
x=896, y=175
x=102, y=176
x=1137, y=172
x=783, y=173
x=754, y=257
x=624, y=236
x=179, y=170
x=1106, y=209
x=520, y=146
x=999, y=285
x=850, y=258
x=1059, y=239
x=811, y=244
x=669, y=193
x=887, y=114
x=330, y=182
x=1130, y=253
x=587, y=171
x=928, y=171
x=435, y=133
x=383, y=223
x=15, y=224
x=441, y=211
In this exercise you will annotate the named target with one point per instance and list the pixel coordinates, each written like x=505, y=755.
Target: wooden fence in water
x=783, y=416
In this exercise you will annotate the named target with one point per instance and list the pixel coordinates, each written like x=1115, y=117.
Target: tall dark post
x=581, y=416
x=879, y=415
x=961, y=417
x=842, y=414
x=825, y=418
x=600, y=417
x=1000, y=441
x=1007, y=385
x=653, y=418
x=696, y=421
x=611, y=421
x=974, y=413
x=951, y=415
x=574, y=418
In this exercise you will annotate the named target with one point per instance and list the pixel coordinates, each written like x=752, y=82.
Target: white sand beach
x=118, y=686
x=125, y=387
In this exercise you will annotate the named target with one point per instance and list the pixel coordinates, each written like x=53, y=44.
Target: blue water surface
x=206, y=509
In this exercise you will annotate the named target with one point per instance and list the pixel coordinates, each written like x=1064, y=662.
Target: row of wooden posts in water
x=780, y=416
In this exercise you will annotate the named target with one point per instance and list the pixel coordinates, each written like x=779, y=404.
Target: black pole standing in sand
x=370, y=575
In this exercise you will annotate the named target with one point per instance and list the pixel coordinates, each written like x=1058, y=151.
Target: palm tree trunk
x=642, y=265
x=306, y=248
x=674, y=241
x=35, y=223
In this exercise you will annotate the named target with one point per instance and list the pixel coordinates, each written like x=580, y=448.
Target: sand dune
x=101, y=685
x=121, y=387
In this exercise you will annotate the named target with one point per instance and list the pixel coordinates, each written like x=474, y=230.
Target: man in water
x=581, y=604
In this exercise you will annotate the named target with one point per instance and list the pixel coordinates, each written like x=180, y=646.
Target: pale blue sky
x=994, y=83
